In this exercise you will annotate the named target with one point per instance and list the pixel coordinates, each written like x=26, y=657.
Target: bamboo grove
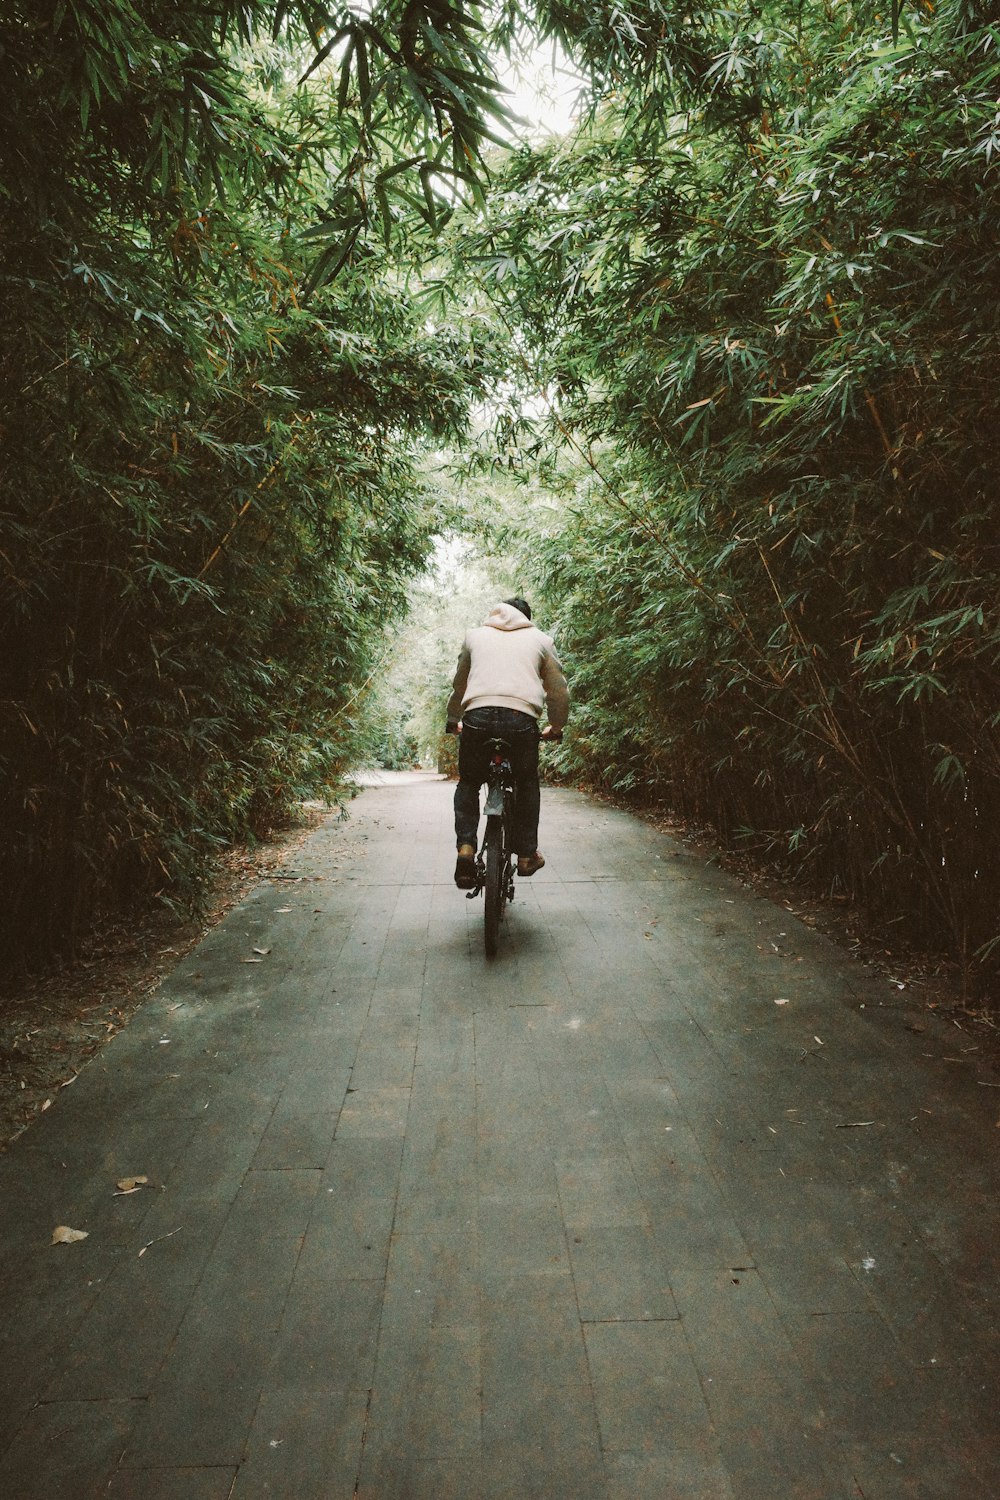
x=740, y=325
x=759, y=300
x=210, y=507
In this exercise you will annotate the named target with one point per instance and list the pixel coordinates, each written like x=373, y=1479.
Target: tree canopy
x=751, y=292
x=210, y=500
x=258, y=256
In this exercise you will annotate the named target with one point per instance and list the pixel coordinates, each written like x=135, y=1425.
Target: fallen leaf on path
x=283, y=908
x=63, y=1235
x=130, y=1185
x=252, y=960
x=781, y=1002
x=854, y=1124
x=262, y=951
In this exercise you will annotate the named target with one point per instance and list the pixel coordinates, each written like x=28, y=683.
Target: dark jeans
x=479, y=727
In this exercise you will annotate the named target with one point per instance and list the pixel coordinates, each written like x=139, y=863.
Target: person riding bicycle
x=506, y=670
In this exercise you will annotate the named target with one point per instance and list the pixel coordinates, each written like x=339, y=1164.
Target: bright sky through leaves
x=544, y=92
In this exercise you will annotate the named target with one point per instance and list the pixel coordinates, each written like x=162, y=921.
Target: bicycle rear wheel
x=494, y=890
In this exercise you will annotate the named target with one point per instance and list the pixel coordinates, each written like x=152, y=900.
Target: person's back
x=507, y=671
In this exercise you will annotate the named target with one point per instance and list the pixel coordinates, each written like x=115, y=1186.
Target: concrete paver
x=665, y=1202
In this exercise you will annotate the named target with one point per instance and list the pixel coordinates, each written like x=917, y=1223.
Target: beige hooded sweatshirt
x=509, y=663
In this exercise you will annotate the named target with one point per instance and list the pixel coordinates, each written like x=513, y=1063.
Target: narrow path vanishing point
x=663, y=1203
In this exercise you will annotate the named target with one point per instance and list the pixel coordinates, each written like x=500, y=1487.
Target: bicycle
x=496, y=858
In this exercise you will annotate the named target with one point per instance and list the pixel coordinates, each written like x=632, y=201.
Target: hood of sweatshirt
x=506, y=617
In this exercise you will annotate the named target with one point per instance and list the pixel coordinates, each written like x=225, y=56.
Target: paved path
x=664, y=1203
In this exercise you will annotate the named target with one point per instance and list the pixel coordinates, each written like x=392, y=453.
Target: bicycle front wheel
x=494, y=890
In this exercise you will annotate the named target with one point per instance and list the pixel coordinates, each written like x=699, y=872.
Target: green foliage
x=210, y=507
x=756, y=307
x=751, y=294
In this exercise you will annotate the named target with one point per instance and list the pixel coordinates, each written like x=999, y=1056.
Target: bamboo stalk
x=303, y=421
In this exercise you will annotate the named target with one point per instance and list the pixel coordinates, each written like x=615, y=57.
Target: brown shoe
x=527, y=864
x=465, y=867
